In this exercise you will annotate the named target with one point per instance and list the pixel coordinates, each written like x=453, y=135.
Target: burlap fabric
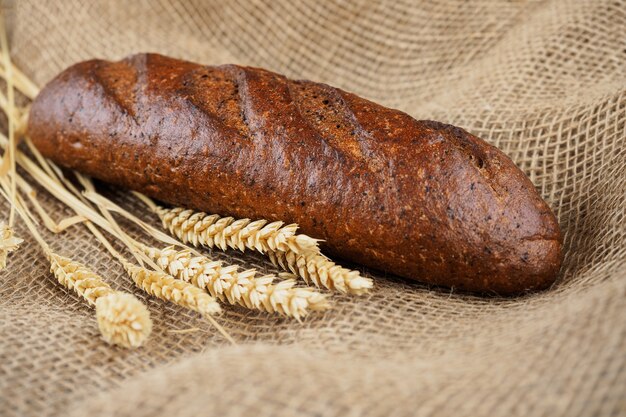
x=544, y=81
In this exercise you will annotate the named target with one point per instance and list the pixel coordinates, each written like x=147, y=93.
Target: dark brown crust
x=420, y=199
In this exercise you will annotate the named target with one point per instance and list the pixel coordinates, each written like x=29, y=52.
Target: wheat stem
x=243, y=288
x=105, y=203
x=50, y=224
x=22, y=82
x=8, y=159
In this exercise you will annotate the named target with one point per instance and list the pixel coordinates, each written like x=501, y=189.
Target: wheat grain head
x=199, y=228
x=122, y=318
x=77, y=277
x=234, y=286
x=322, y=272
x=8, y=244
x=171, y=289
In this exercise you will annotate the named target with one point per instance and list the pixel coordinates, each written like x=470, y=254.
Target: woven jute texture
x=544, y=81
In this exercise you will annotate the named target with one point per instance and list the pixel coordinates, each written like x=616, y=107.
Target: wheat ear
x=122, y=318
x=243, y=288
x=200, y=228
x=168, y=288
x=8, y=243
x=323, y=272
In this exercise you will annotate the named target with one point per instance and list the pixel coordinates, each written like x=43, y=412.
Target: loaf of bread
x=419, y=199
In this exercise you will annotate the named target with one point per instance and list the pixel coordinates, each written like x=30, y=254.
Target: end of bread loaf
x=504, y=236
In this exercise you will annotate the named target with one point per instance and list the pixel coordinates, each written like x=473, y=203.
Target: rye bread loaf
x=419, y=199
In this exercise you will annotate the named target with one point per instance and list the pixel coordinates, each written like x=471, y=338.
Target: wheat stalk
x=243, y=288
x=8, y=243
x=7, y=165
x=322, y=272
x=199, y=228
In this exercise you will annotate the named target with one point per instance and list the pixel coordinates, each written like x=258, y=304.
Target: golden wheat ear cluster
x=296, y=253
x=122, y=319
x=243, y=288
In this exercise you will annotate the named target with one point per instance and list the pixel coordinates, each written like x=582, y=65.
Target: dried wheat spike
x=8, y=243
x=239, y=287
x=298, y=253
x=323, y=272
x=212, y=230
x=79, y=278
x=171, y=289
x=122, y=318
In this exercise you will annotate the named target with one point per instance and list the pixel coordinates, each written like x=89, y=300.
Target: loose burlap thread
x=543, y=80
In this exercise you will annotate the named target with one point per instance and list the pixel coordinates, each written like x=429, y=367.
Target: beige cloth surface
x=545, y=81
